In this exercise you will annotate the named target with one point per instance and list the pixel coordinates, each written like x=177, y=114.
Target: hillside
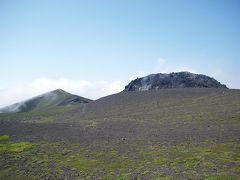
x=173, y=80
x=166, y=105
x=46, y=101
x=177, y=133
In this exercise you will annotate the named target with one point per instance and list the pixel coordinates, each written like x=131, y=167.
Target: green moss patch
x=7, y=146
x=4, y=138
x=221, y=177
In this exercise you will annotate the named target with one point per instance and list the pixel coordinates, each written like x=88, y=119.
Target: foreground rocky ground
x=124, y=150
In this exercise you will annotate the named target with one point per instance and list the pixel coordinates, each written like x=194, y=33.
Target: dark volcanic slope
x=173, y=80
x=183, y=104
x=45, y=101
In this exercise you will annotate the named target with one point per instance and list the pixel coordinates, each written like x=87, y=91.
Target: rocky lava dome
x=173, y=80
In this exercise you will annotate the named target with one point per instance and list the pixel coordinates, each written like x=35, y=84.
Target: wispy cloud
x=137, y=74
x=165, y=66
x=92, y=90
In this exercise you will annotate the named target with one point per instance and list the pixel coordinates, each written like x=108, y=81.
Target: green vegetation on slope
x=207, y=160
x=17, y=147
x=43, y=116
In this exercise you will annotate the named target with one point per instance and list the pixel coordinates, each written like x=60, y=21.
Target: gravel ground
x=120, y=131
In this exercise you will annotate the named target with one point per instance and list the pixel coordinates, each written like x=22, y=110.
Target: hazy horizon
x=94, y=48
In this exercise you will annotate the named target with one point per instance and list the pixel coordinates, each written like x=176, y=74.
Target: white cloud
x=137, y=74
x=162, y=66
x=166, y=66
x=216, y=72
x=88, y=89
x=161, y=62
x=185, y=68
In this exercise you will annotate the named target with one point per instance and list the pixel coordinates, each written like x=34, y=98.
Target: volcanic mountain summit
x=173, y=80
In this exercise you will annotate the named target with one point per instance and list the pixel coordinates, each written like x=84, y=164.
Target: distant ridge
x=173, y=80
x=45, y=101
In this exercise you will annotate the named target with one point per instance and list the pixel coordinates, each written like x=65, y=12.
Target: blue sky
x=104, y=44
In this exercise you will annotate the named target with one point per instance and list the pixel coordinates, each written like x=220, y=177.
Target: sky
x=94, y=48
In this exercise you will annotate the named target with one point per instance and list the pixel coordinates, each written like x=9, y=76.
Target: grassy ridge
x=46, y=101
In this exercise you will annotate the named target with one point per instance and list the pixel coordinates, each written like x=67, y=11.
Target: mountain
x=45, y=101
x=173, y=80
